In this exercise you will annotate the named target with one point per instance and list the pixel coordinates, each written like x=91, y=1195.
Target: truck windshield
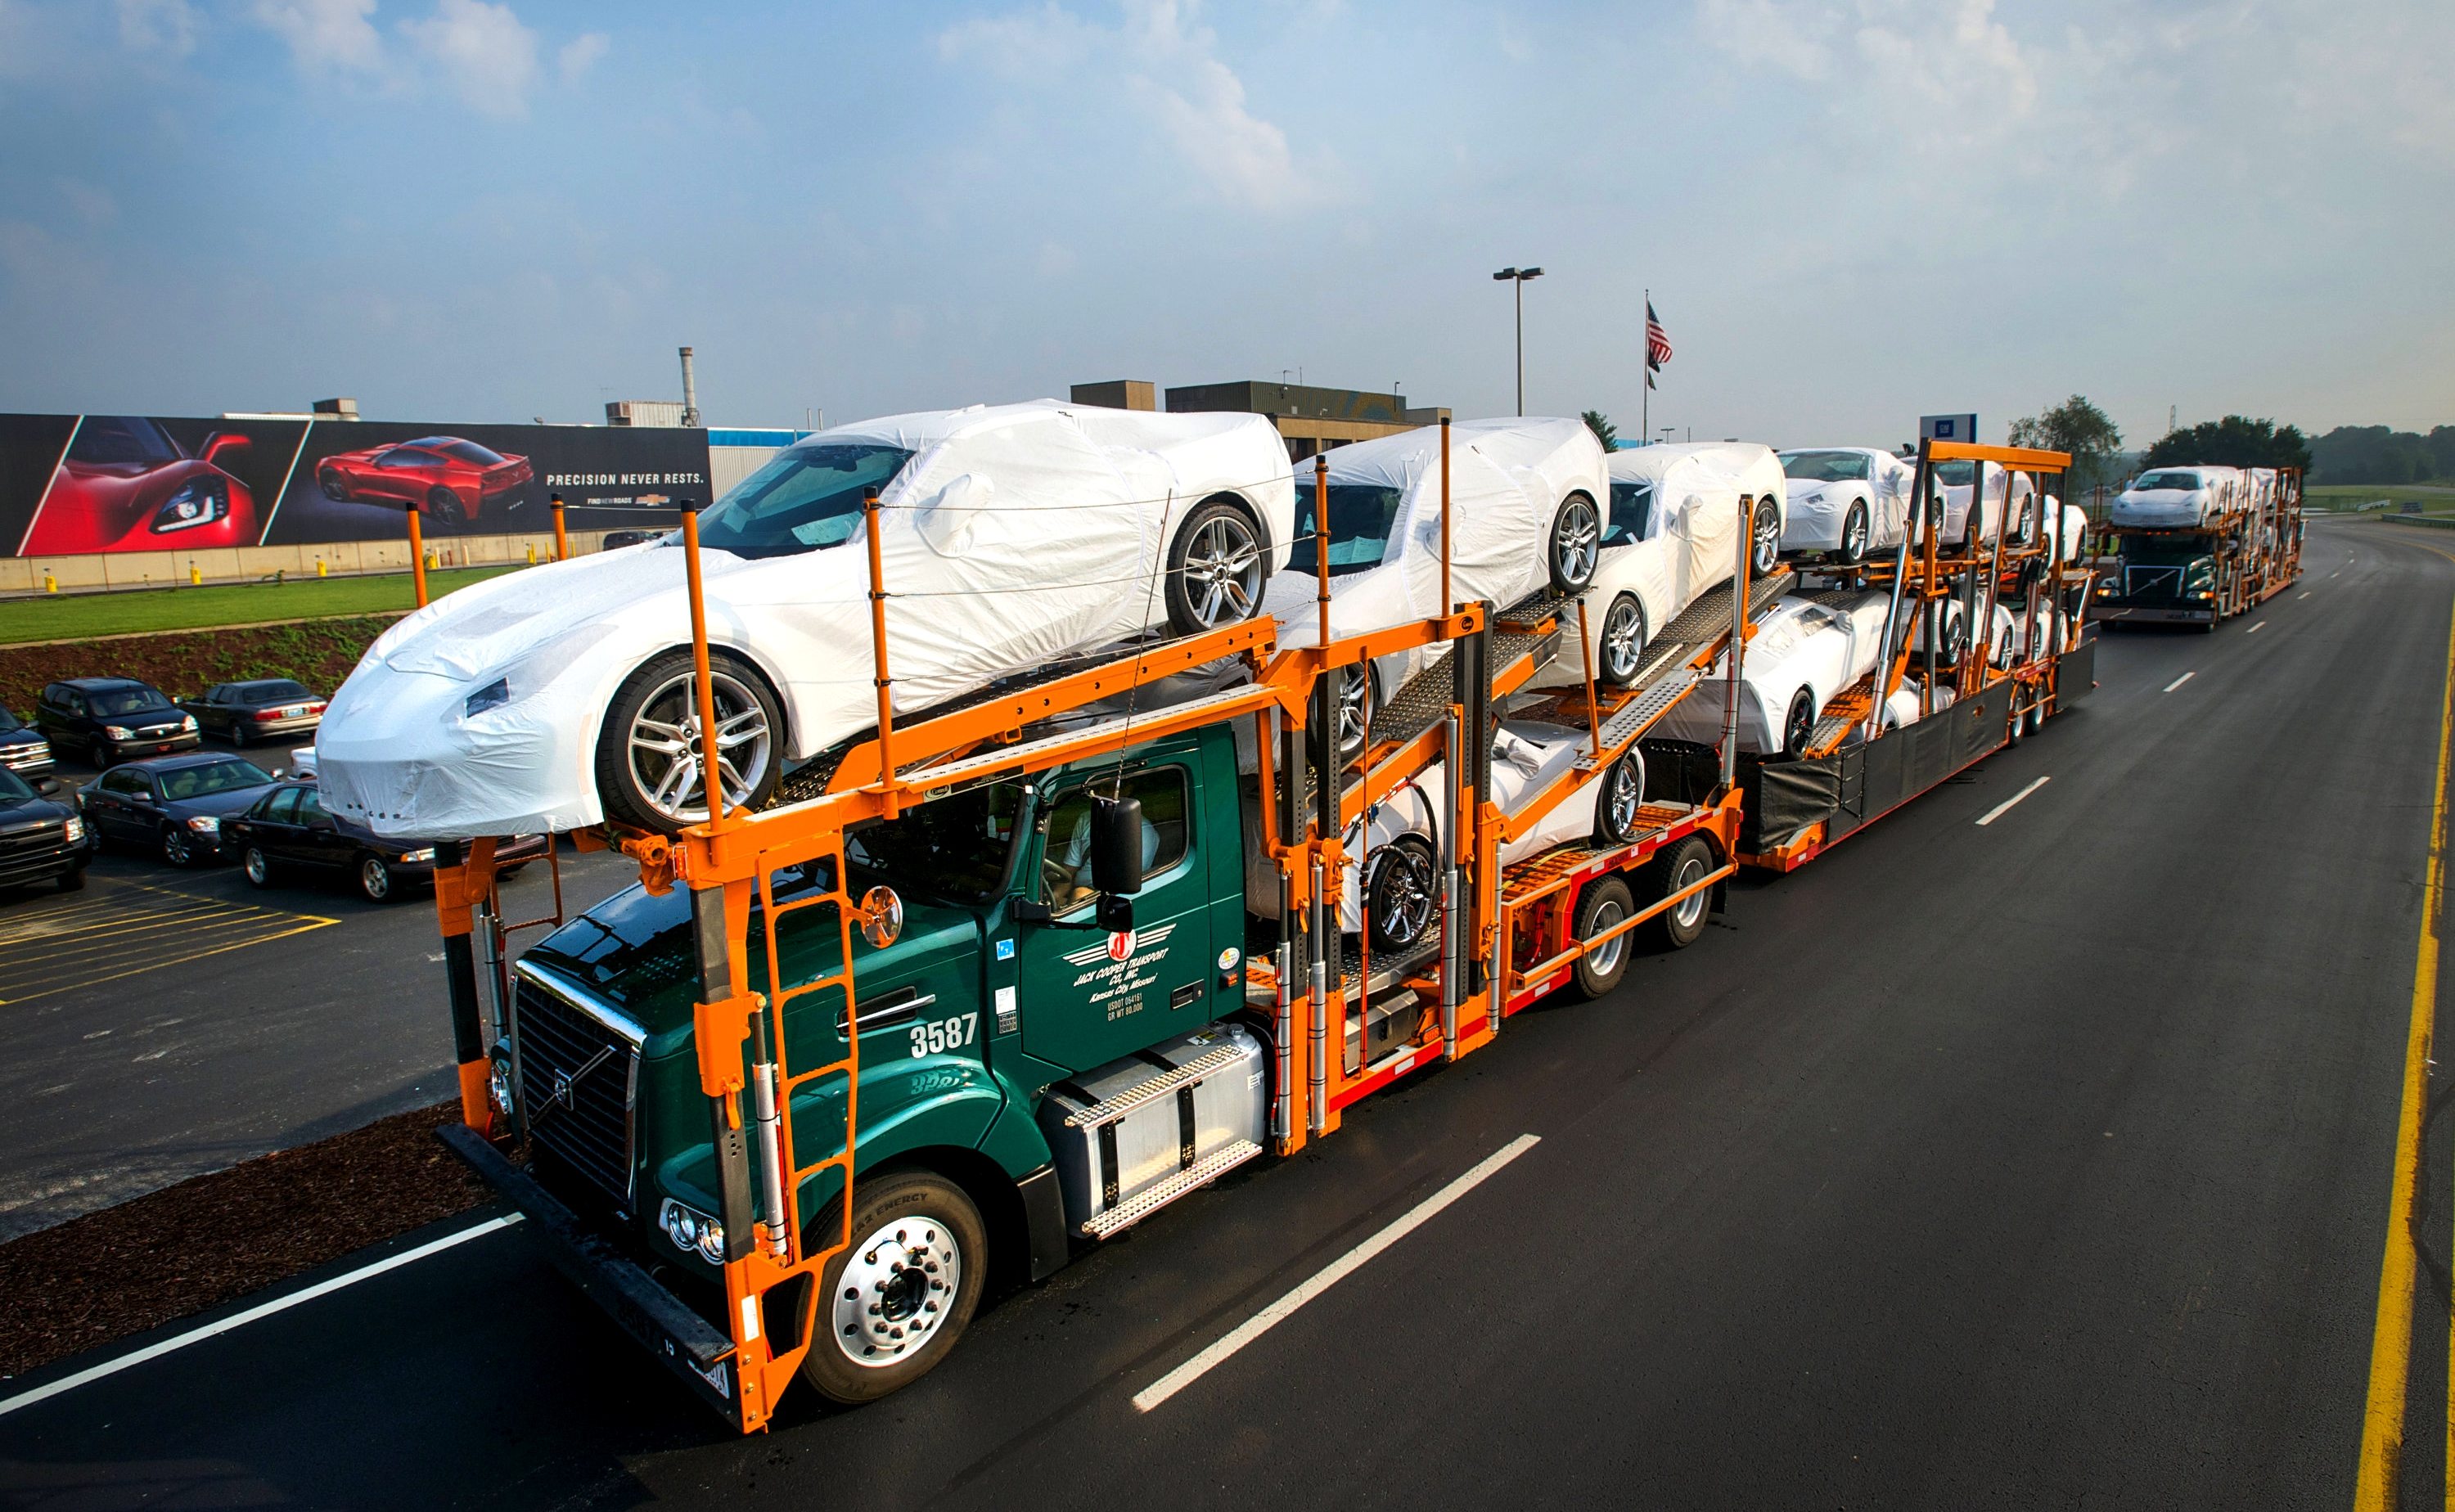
x=1825, y=467
x=1631, y=509
x=2166, y=554
x=805, y=498
x=953, y=849
x=1361, y=518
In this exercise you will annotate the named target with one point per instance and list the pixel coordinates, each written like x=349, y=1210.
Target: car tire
x=334, y=485
x=256, y=866
x=376, y=882
x=1217, y=568
x=1798, y=724
x=177, y=850
x=73, y=881
x=444, y=507
x=897, y=1219
x=1603, y=903
x=1352, y=704
x=657, y=707
x=1622, y=642
x=1575, y=547
x=1856, y=535
x=1402, y=895
x=1684, y=864
x=1619, y=799
x=1764, y=539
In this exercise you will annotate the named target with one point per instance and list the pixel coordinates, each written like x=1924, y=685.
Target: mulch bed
x=209, y=1239
x=318, y=652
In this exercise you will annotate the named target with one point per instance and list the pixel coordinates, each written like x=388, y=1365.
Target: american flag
x=1657, y=345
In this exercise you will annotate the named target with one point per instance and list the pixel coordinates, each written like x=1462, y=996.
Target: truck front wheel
x=891, y=1306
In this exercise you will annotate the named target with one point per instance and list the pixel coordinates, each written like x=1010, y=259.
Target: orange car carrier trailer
x=788, y=1094
x=2201, y=574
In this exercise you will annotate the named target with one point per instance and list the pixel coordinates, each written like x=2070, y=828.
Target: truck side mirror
x=1116, y=847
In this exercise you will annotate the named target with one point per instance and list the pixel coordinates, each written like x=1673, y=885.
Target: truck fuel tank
x=1138, y=1133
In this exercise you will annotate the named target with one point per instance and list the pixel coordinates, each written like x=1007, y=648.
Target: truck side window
x=1065, y=863
x=954, y=847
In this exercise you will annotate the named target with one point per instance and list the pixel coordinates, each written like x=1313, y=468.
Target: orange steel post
x=1594, y=709
x=416, y=555
x=711, y=777
x=1321, y=553
x=455, y=919
x=561, y=541
x=886, y=784
x=1447, y=602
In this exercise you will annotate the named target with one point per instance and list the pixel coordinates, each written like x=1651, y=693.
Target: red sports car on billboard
x=125, y=485
x=456, y=481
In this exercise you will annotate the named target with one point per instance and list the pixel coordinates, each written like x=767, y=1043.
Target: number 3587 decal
x=939, y=1036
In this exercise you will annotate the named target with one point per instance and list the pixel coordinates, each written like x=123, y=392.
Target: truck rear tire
x=1601, y=905
x=1684, y=864
x=892, y=1306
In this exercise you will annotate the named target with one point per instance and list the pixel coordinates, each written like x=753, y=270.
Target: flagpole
x=1645, y=376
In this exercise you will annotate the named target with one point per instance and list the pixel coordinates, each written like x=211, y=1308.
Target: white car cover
x=2020, y=486
x=1827, y=483
x=1674, y=532
x=2183, y=497
x=1507, y=479
x=1012, y=535
x=1816, y=646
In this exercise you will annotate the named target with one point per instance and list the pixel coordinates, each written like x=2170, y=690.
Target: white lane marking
x=2005, y=807
x=2337, y=573
x=111, y=1367
x=2303, y=594
x=1331, y=1275
x=2179, y=681
x=2256, y=629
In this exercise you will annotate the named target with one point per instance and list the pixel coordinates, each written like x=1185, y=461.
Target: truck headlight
x=74, y=831
x=693, y=1232
x=498, y=1085
x=188, y=724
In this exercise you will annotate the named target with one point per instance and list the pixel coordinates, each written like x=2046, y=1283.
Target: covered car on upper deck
x=1012, y=536
x=1845, y=501
x=2175, y=498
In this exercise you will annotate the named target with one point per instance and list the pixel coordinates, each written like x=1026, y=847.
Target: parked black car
x=615, y=540
x=23, y=750
x=173, y=805
x=287, y=829
x=258, y=709
x=42, y=836
x=113, y=719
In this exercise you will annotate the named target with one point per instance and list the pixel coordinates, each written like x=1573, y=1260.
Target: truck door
x=1089, y=996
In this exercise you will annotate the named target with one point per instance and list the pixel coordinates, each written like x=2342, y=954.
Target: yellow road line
x=309, y=922
x=2391, y=1332
x=139, y=924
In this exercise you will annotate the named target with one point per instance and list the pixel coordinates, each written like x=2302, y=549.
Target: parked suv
x=113, y=719
x=42, y=836
x=287, y=828
x=260, y=709
x=23, y=750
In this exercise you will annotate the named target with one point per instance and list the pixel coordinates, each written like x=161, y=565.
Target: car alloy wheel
x=1220, y=575
x=1854, y=534
x=375, y=880
x=1623, y=640
x=1352, y=687
x=1623, y=793
x=1577, y=544
x=258, y=870
x=446, y=507
x=1764, y=543
x=1798, y=727
x=1402, y=893
x=665, y=746
x=175, y=846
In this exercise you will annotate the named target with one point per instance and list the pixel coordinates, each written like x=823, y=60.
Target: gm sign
x=1961, y=427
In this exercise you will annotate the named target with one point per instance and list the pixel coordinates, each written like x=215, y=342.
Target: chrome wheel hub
x=1692, y=908
x=1223, y=571
x=665, y=746
x=1853, y=536
x=1621, y=800
x=1576, y=540
x=897, y=1285
x=1402, y=899
x=373, y=877
x=1767, y=548
x=1605, y=956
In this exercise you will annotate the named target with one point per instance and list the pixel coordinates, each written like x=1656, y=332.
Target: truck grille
x=584, y=1118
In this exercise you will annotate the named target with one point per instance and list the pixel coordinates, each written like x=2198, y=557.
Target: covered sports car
x=454, y=482
x=1527, y=495
x=1673, y=533
x=2177, y=497
x=1845, y=501
x=1013, y=536
x=1805, y=652
x=2009, y=495
x=126, y=485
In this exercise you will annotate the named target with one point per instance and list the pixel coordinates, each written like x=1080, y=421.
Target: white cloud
x=489, y=56
x=579, y=55
x=1172, y=70
x=324, y=35
x=1785, y=37
x=166, y=26
x=90, y=203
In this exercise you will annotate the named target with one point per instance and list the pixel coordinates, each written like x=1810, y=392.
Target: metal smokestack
x=690, y=392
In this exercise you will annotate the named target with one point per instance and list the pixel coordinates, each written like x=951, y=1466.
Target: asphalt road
x=164, y=1023
x=2043, y=1162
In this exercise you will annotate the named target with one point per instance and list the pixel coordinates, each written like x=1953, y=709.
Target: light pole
x=1517, y=276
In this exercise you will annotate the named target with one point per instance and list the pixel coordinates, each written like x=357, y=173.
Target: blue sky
x=1850, y=212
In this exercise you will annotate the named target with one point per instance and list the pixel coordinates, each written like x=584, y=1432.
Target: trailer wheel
x=891, y=1306
x=1684, y=865
x=1601, y=906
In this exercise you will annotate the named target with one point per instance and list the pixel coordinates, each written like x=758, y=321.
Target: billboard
x=73, y=484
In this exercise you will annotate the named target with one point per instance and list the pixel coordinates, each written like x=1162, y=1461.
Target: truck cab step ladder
x=1151, y=1198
